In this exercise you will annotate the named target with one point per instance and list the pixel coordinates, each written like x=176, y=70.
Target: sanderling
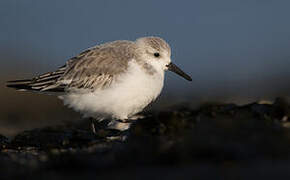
x=115, y=80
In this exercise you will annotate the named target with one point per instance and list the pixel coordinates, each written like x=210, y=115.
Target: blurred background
x=236, y=51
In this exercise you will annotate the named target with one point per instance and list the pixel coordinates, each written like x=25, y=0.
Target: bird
x=115, y=80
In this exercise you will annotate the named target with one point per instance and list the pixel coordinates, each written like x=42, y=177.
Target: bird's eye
x=156, y=54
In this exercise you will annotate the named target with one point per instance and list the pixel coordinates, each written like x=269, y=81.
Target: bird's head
x=157, y=53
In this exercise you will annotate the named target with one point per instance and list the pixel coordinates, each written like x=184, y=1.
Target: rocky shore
x=215, y=141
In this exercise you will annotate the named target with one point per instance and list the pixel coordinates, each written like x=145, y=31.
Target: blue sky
x=230, y=47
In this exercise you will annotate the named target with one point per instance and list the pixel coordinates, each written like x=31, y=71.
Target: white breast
x=128, y=96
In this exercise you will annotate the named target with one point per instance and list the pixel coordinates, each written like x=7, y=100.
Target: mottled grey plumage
x=99, y=66
x=115, y=80
x=95, y=68
x=157, y=43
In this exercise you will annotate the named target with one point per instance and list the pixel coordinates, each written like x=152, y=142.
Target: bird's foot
x=113, y=130
x=136, y=117
x=119, y=125
x=123, y=136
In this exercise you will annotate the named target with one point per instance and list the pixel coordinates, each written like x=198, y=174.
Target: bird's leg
x=124, y=124
x=120, y=129
x=93, y=125
x=120, y=125
x=136, y=117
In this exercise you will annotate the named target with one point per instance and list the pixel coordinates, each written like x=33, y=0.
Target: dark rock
x=54, y=137
x=3, y=142
x=178, y=141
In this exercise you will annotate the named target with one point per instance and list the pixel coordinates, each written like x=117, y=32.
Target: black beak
x=172, y=67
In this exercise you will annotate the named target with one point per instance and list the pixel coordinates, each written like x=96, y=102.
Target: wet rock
x=215, y=137
x=54, y=137
x=3, y=142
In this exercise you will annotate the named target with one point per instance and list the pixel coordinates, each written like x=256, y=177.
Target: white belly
x=130, y=95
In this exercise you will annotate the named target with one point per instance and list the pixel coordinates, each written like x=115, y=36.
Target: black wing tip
x=24, y=85
x=19, y=81
x=19, y=86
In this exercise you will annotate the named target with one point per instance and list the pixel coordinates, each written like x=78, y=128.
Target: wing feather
x=98, y=67
x=95, y=68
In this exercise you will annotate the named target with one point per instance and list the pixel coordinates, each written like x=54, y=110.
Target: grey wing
x=96, y=68
x=44, y=82
x=93, y=69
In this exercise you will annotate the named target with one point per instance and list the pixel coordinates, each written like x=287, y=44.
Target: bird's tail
x=23, y=84
x=44, y=82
